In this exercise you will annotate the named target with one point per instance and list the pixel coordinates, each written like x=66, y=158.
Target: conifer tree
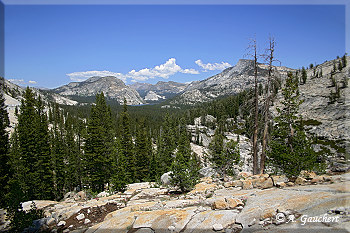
x=154, y=173
x=118, y=179
x=99, y=145
x=74, y=168
x=58, y=155
x=290, y=149
x=344, y=61
x=184, y=168
x=127, y=158
x=30, y=150
x=340, y=65
x=43, y=167
x=166, y=145
x=223, y=155
x=143, y=152
x=303, y=75
x=4, y=148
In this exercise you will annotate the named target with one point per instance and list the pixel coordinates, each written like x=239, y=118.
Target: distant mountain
x=13, y=95
x=112, y=87
x=164, y=90
x=230, y=81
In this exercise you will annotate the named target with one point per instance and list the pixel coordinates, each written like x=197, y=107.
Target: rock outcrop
x=229, y=82
x=159, y=91
x=211, y=207
x=112, y=87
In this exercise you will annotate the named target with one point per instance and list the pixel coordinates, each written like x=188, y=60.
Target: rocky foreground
x=251, y=204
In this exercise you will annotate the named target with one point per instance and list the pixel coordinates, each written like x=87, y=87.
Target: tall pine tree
x=290, y=149
x=143, y=152
x=126, y=150
x=4, y=148
x=30, y=150
x=184, y=168
x=166, y=145
x=99, y=146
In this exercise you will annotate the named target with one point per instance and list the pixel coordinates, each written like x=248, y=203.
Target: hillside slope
x=111, y=86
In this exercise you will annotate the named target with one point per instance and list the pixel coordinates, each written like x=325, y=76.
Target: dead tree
x=253, y=53
x=269, y=58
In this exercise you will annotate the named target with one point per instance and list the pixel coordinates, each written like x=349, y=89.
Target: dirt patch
x=94, y=214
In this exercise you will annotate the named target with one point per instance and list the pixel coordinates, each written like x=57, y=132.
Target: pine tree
x=99, y=145
x=30, y=151
x=223, y=155
x=143, y=152
x=127, y=158
x=43, y=166
x=74, y=167
x=340, y=65
x=4, y=149
x=344, y=61
x=184, y=168
x=290, y=149
x=303, y=75
x=154, y=173
x=166, y=145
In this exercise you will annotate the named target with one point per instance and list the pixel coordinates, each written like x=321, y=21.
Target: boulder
x=307, y=175
x=220, y=204
x=279, y=179
x=300, y=181
x=290, y=183
x=80, y=196
x=326, y=178
x=203, y=187
x=218, y=227
x=226, y=203
x=235, y=183
x=80, y=217
x=247, y=184
x=103, y=194
x=166, y=178
x=87, y=221
x=61, y=223
x=234, y=202
x=280, y=184
x=317, y=179
x=244, y=174
x=207, y=172
x=262, y=183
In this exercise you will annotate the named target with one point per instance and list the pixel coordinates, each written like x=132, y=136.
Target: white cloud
x=32, y=82
x=81, y=76
x=164, y=71
x=213, y=66
x=190, y=71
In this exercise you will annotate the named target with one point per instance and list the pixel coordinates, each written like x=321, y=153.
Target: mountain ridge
x=111, y=86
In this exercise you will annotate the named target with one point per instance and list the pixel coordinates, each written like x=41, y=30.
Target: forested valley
x=105, y=146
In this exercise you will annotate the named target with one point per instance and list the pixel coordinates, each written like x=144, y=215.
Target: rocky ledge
x=251, y=203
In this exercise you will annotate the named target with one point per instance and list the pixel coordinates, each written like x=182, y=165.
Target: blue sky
x=49, y=46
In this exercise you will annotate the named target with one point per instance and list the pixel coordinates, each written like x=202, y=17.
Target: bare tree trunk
x=256, y=112
x=267, y=105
